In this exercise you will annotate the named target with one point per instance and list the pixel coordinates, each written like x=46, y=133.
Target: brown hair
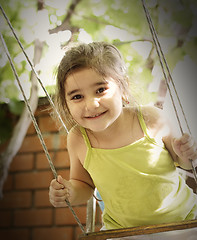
x=103, y=57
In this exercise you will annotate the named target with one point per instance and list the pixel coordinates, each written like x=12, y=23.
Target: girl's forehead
x=84, y=71
x=84, y=76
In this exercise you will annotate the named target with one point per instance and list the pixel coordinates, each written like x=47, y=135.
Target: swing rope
x=163, y=62
x=31, y=112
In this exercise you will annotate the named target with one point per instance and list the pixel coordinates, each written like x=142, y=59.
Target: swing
x=134, y=231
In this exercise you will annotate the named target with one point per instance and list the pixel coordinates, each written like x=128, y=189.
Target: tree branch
x=66, y=23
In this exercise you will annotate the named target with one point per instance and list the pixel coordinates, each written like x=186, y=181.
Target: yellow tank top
x=139, y=183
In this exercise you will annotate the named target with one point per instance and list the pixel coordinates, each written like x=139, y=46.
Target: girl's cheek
x=70, y=105
x=74, y=110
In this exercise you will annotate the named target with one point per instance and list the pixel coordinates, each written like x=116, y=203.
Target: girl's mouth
x=96, y=115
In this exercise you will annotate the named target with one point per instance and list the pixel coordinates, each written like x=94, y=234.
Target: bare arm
x=80, y=187
x=182, y=148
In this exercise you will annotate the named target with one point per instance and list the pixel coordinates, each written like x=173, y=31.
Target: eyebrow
x=78, y=90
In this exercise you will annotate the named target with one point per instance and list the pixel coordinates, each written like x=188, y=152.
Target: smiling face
x=94, y=102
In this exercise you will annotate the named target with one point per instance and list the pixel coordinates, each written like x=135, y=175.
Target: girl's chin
x=97, y=128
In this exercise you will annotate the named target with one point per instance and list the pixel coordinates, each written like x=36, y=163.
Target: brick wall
x=25, y=210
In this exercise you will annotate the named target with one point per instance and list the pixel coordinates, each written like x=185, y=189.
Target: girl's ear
x=125, y=100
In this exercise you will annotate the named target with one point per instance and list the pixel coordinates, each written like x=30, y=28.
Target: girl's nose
x=92, y=103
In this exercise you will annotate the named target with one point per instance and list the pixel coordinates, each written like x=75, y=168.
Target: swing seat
x=171, y=231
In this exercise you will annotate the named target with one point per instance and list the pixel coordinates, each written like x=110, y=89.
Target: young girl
x=127, y=153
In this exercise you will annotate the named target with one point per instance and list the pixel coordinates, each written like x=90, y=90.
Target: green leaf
x=183, y=17
x=174, y=56
x=190, y=48
x=51, y=89
x=16, y=107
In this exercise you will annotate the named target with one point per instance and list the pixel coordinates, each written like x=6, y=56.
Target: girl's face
x=94, y=102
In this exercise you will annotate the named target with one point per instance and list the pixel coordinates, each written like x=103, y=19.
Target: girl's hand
x=186, y=149
x=59, y=191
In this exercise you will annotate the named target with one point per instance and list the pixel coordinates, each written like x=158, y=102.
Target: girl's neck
x=121, y=129
x=117, y=124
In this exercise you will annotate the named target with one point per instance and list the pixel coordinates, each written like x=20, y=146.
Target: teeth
x=95, y=115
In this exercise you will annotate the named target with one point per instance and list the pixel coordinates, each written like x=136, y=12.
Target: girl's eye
x=76, y=97
x=101, y=90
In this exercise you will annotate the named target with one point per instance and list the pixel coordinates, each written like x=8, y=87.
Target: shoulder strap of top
x=142, y=122
x=85, y=137
x=145, y=129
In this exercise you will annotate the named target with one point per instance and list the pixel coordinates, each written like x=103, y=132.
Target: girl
x=127, y=153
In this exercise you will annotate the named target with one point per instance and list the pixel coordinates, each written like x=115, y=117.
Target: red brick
x=60, y=159
x=16, y=234
x=16, y=200
x=64, y=216
x=31, y=129
x=5, y=218
x=61, y=233
x=59, y=141
x=47, y=124
x=42, y=161
x=33, y=180
x=78, y=231
x=52, y=142
x=41, y=217
x=63, y=141
x=22, y=162
x=31, y=144
x=42, y=198
x=8, y=185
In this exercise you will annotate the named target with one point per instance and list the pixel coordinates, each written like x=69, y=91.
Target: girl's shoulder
x=152, y=114
x=155, y=118
x=75, y=145
x=74, y=137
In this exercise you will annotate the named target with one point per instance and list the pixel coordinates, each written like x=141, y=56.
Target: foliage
x=120, y=22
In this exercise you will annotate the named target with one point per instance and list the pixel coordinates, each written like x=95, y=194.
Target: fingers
x=58, y=192
x=56, y=184
x=63, y=183
x=185, y=138
x=189, y=147
x=186, y=147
